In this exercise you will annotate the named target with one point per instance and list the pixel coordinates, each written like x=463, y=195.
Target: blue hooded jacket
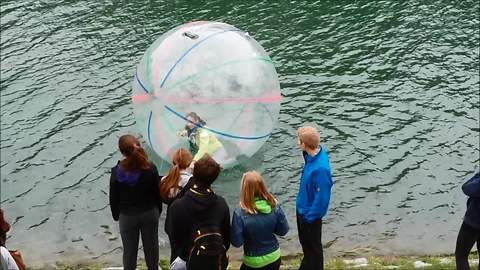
x=256, y=232
x=315, y=187
x=471, y=188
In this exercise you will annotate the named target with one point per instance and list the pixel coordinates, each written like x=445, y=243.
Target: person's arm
x=236, y=235
x=202, y=144
x=471, y=188
x=156, y=188
x=113, y=196
x=321, y=180
x=6, y=260
x=226, y=227
x=282, y=224
x=179, y=233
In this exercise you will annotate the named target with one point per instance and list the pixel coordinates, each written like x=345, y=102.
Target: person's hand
x=178, y=264
x=192, y=164
x=182, y=133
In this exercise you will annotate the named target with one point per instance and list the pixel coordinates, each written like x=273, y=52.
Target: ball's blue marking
x=148, y=129
x=206, y=128
x=139, y=82
x=190, y=49
x=216, y=131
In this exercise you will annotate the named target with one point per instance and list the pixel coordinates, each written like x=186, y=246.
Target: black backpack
x=208, y=251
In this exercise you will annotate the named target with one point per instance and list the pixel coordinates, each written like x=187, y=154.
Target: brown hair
x=309, y=136
x=198, y=121
x=206, y=170
x=4, y=225
x=181, y=159
x=253, y=187
x=135, y=156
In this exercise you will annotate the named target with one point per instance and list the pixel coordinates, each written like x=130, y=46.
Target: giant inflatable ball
x=220, y=75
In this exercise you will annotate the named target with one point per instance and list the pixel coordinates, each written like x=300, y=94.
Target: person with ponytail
x=174, y=185
x=135, y=202
x=178, y=176
x=256, y=222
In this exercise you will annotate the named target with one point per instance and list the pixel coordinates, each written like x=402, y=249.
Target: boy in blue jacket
x=313, y=197
x=470, y=231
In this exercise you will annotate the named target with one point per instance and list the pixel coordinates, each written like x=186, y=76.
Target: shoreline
x=440, y=261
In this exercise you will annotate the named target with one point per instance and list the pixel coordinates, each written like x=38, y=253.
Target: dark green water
x=392, y=85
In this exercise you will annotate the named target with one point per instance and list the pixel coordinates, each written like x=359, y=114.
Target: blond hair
x=253, y=187
x=309, y=136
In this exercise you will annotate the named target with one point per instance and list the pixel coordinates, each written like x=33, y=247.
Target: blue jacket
x=256, y=232
x=315, y=187
x=471, y=188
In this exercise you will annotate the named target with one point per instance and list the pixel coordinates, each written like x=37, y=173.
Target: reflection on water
x=393, y=88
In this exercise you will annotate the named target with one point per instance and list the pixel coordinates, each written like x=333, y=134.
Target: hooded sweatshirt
x=256, y=232
x=199, y=208
x=133, y=192
x=471, y=188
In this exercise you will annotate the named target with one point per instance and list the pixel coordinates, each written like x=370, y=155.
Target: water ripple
x=392, y=86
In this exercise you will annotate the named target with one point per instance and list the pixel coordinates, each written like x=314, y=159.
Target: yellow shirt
x=207, y=143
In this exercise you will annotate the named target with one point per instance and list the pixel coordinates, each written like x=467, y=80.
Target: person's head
x=253, y=187
x=4, y=225
x=181, y=160
x=135, y=156
x=308, y=138
x=205, y=171
x=193, y=119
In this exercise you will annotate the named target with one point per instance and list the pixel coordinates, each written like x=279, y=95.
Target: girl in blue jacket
x=255, y=224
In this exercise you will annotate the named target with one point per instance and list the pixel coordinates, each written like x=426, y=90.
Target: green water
x=393, y=87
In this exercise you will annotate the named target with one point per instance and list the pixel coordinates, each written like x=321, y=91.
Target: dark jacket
x=134, y=192
x=471, y=188
x=256, y=232
x=169, y=201
x=198, y=208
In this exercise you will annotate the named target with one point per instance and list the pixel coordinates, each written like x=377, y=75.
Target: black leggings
x=467, y=236
x=131, y=227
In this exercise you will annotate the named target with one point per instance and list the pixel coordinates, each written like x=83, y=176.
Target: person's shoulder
x=278, y=207
x=238, y=211
x=221, y=200
x=152, y=166
x=113, y=168
x=177, y=203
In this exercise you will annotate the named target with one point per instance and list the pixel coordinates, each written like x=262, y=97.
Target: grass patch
x=438, y=262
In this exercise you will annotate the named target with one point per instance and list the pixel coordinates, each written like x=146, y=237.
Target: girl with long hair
x=135, y=202
x=174, y=185
x=256, y=222
x=178, y=176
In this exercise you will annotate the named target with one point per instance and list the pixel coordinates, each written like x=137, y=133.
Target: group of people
x=198, y=222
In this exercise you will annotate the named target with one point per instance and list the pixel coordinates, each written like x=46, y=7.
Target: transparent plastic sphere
x=216, y=71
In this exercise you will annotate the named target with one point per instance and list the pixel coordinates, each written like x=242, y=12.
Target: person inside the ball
x=201, y=140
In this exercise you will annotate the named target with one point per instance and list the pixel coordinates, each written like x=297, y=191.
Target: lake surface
x=393, y=87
